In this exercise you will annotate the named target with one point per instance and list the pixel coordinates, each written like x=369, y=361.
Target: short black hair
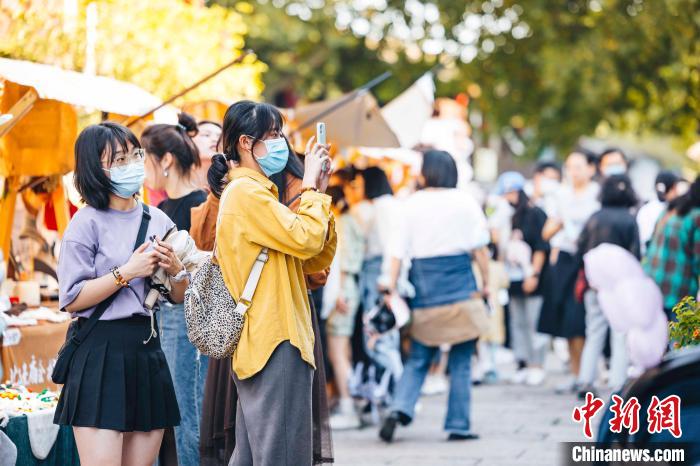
x=376, y=183
x=590, y=156
x=689, y=201
x=338, y=198
x=611, y=150
x=665, y=181
x=541, y=166
x=439, y=169
x=617, y=191
x=90, y=178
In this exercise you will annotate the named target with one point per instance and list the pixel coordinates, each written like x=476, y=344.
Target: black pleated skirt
x=117, y=382
x=561, y=315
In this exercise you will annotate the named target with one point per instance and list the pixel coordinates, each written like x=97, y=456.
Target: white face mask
x=549, y=186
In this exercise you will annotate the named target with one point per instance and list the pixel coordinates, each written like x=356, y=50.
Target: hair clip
x=181, y=127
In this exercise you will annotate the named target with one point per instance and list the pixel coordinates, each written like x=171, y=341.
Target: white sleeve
x=479, y=231
x=398, y=243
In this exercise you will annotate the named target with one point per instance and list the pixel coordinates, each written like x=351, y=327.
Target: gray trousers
x=274, y=420
x=528, y=344
x=596, y=333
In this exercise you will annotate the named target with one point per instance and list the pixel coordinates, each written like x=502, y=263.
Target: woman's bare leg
x=141, y=448
x=98, y=447
x=575, y=351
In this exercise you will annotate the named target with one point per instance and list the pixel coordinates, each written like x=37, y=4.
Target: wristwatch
x=181, y=276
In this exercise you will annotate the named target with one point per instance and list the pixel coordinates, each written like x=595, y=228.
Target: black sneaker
x=386, y=433
x=459, y=437
x=585, y=389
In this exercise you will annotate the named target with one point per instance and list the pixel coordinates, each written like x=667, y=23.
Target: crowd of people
x=345, y=254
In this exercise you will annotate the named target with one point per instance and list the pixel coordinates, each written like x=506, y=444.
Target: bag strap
x=251, y=284
x=85, y=330
x=292, y=200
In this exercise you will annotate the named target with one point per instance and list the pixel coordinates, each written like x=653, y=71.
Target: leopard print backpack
x=214, y=319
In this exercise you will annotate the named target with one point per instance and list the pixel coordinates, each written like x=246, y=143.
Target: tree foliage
x=549, y=71
x=160, y=45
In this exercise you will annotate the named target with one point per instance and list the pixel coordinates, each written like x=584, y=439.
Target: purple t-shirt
x=94, y=242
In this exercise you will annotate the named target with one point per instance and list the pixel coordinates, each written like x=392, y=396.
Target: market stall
x=40, y=107
x=27, y=431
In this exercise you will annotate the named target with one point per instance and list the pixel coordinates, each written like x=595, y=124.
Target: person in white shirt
x=375, y=216
x=649, y=213
x=440, y=229
x=546, y=181
x=562, y=315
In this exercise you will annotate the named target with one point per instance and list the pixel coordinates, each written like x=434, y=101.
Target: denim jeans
x=189, y=371
x=386, y=351
x=415, y=370
x=596, y=332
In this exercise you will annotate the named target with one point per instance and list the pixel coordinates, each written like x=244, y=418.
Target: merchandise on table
x=16, y=400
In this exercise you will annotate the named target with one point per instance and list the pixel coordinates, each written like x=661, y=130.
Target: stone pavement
x=518, y=425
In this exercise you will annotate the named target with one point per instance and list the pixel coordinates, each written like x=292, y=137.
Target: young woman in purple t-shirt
x=119, y=394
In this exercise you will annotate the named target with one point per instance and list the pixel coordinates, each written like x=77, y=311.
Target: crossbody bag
x=76, y=333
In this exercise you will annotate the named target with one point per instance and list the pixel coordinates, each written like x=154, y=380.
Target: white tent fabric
x=406, y=156
x=407, y=114
x=71, y=87
x=358, y=122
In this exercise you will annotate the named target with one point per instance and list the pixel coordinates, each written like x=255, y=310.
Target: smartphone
x=321, y=139
x=321, y=132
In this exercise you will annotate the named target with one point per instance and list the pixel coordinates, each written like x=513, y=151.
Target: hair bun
x=188, y=123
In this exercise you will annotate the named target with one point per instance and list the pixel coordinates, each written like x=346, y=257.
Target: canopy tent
x=39, y=126
x=79, y=89
x=357, y=122
x=411, y=158
x=408, y=113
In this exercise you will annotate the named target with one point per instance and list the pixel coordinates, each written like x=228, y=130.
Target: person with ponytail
x=217, y=434
x=273, y=365
x=171, y=159
x=204, y=216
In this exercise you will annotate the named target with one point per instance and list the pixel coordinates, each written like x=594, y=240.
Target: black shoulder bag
x=75, y=336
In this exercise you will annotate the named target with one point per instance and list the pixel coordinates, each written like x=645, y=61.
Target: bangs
x=120, y=138
x=268, y=119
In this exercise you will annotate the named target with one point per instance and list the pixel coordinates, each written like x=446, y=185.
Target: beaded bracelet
x=118, y=279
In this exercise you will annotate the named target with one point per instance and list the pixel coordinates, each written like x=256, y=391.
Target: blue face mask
x=127, y=180
x=615, y=169
x=276, y=158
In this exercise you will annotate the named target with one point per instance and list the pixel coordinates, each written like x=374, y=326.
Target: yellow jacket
x=303, y=242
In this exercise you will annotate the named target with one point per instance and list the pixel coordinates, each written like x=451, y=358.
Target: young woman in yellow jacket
x=273, y=364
